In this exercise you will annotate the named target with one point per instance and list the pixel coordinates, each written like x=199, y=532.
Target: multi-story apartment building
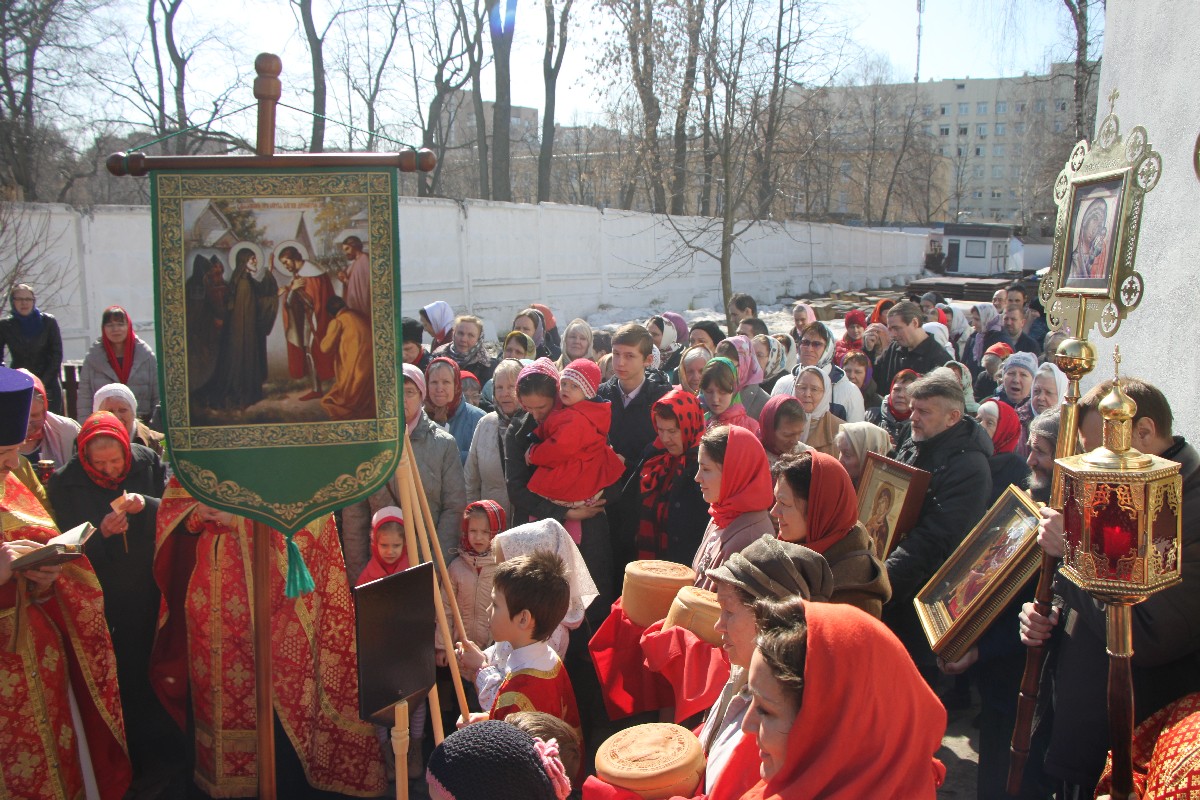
x=993, y=146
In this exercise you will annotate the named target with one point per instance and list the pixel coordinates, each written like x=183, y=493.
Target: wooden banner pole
x=267, y=90
x=263, y=687
x=400, y=749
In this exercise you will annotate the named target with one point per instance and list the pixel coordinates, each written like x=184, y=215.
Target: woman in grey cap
x=768, y=568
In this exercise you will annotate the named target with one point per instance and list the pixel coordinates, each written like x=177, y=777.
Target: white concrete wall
x=492, y=259
x=1151, y=58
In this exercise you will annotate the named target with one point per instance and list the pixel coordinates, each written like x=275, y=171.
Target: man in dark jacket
x=911, y=347
x=1014, y=331
x=630, y=392
x=1166, y=627
x=954, y=450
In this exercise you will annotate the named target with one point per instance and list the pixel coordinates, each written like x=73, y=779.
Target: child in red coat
x=575, y=461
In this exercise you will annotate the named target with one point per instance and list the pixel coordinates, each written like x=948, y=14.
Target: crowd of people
x=548, y=470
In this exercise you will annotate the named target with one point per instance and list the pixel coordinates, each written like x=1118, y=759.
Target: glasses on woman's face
x=811, y=343
x=23, y=299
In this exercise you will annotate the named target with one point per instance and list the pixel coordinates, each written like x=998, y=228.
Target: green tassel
x=299, y=579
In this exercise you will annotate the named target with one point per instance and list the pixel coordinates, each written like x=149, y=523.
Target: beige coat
x=471, y=579
x=859, y=578
x=719, y=544
x=821, y=436
x=484, y=470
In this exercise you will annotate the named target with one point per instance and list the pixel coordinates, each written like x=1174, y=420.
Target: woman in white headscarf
x=666, y=339
x=960, y=328
x=1049, y=388
x=118, y=399
x=815, y=392
x=549, y=534
x=855, y=440
x=940, y=334
x=986, y=322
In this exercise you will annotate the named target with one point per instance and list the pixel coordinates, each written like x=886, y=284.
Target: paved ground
x=960, y=754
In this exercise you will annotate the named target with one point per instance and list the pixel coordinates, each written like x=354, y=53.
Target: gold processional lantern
x=1123, y=528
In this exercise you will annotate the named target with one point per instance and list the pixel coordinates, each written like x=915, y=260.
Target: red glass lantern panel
x=1165, y=527
x=1114, y=532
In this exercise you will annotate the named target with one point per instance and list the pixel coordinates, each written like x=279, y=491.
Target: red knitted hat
x=585, y=374
x=856, y=317
x=1000, y=349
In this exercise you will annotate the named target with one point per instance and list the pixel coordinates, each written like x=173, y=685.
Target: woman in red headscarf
x=119, y=356
x=839, y=711
x=781, y=425
x=735, y=480
x=816, y=506
x=106, y=471
x=1000, y=420
x=673, y=510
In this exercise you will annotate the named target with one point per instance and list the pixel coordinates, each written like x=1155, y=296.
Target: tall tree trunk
x=503, y=14
x=695, y=22
x=1078, y=10
x=179, y=65
x=316, y=46
x=551, y=65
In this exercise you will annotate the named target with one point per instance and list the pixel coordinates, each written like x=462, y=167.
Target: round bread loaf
x=697, y=610
x=655, y=761
x=650, y=587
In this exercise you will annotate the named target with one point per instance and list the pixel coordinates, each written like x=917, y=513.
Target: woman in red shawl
x=736, y=482
x=816, y=506
x=118, y=356
x=1001, y=421
x=839, y=711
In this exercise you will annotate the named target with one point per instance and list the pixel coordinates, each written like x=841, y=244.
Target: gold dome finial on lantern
x=1118, y=410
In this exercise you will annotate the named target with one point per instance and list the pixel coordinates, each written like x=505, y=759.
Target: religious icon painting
x=889, y=500
x=982, y=576
x=1092, y=248
x=278, y=295
x=1100, y=193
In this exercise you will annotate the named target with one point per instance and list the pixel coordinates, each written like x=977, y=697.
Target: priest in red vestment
x=306, y=320
x=61, y=729
x=203, y=564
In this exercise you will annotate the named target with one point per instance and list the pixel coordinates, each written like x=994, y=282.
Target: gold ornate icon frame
x=1127, y=167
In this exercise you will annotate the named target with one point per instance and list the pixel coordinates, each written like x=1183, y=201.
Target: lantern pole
x=1076, y=358
x=1119, y=616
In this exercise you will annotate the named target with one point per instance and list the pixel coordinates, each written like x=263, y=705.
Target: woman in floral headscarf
x=740, y=350
x=772, y=357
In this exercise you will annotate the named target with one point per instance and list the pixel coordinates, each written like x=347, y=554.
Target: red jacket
x=843, y=346
x=573, y=453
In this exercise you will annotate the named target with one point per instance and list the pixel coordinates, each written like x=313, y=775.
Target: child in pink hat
x=575, y=461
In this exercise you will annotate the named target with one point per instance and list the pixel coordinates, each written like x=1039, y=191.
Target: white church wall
x=1154, y=64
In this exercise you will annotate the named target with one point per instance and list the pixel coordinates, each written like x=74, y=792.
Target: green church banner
x=278, y=307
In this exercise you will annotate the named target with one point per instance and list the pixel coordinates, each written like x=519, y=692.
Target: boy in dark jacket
x=630, y=392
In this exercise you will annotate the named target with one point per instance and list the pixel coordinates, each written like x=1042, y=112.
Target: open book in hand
x=59, y=550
